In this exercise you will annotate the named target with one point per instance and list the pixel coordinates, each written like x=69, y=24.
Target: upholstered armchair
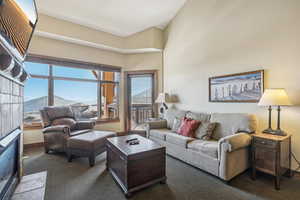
x=59, y=124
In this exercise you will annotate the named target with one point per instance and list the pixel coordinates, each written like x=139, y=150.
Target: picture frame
x=247, y=87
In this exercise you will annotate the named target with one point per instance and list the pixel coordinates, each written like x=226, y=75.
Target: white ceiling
x=119, y=17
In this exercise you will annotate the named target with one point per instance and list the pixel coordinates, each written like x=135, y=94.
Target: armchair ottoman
x=88, y=145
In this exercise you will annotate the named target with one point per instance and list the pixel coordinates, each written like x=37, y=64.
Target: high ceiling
x=119, y=17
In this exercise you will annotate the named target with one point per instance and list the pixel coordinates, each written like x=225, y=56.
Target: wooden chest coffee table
x=135, y=167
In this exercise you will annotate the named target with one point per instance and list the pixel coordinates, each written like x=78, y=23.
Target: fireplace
x=10, y=166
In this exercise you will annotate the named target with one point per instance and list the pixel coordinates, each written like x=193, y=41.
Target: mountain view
x=33, y=106
x=144, y=97
x=81, y=109
x=39, y=103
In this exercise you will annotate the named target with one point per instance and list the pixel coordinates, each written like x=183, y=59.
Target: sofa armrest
x=234, y=142
x=157, y=124
x=233, y=154
x=81, y=125
x=60, y=128
x=160, y=124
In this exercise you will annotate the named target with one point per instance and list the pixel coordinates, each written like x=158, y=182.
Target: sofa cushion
x=205, y=130
x=160, y=133
x=209, y=148
x=203, y=117
x=55, y=112
x=178, y=139
x=65, y=121
x=232, y=123
x=171, y=114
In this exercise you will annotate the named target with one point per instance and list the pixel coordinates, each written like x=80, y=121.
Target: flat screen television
x=18, y=19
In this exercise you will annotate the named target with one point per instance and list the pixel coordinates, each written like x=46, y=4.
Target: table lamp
x=274, y=97
x=162, y=99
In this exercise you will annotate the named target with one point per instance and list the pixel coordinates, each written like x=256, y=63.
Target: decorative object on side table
x=274, y=97
x=241, y=87
x=271, y=154
x=162, y=99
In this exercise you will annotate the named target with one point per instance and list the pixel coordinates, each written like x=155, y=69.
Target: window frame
x=52, y=62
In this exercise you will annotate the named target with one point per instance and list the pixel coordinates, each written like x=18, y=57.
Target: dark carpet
x=77, y=181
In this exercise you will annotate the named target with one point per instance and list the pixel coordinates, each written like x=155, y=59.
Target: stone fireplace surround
x=11, y=120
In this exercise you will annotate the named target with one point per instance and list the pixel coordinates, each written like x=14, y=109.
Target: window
x=36, y=97
x=110, y=101
x=81, y=96
x=74, y=73
x=91, y=92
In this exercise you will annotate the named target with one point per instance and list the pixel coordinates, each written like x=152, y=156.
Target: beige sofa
x=225, y=156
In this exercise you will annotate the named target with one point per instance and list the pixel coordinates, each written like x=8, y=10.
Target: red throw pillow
x=188, y=127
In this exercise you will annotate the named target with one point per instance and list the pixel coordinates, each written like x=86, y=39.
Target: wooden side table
x=271, y=154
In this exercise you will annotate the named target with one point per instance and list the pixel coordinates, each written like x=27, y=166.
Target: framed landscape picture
x=242, y=87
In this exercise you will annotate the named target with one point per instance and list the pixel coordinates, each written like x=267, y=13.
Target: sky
x=71, y=90
x=28, y=8
x=140, y=84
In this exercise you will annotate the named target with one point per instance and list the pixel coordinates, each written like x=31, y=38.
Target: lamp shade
x=275, y=97
x=162, y=98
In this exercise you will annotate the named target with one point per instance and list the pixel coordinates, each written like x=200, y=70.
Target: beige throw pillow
x=205, y=130
x=176, y=125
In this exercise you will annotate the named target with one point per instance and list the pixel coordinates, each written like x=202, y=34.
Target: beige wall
x=60, y=49
x=150, y=38
x=211, y=38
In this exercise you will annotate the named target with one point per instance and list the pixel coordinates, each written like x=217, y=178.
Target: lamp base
x=275, y=132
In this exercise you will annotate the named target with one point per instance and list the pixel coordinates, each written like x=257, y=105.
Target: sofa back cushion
x=203, y=117
x=232, y=123
x=171, y=114
x=56, y=112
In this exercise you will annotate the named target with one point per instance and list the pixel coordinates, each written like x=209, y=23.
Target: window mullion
x=51, y=87
x=99, y=97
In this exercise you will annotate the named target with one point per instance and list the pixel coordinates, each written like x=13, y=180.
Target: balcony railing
x=140, y=113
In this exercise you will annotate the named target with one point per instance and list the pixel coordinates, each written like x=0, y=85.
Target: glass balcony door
x=141, y=94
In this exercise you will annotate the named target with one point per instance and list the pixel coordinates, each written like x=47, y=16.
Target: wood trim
x=126, y=92
x=28, y=127
x=33, y=145
x=105, y=121
x=71, y=63
x=236, y=74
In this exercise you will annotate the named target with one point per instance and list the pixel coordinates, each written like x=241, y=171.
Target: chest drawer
x=264, y=142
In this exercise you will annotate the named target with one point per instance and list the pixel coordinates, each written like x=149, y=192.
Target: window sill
x=32, y=127
x=104, y=121
x=39, y=126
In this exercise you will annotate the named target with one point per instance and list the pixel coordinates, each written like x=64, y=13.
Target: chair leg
x=92, y=160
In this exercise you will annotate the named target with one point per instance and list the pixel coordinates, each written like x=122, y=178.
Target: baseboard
x=39, y=144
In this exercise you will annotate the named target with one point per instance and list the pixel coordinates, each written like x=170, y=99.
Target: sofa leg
x=92, y=160
x=70, y=158
x=226, y=182
x=46, y=150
